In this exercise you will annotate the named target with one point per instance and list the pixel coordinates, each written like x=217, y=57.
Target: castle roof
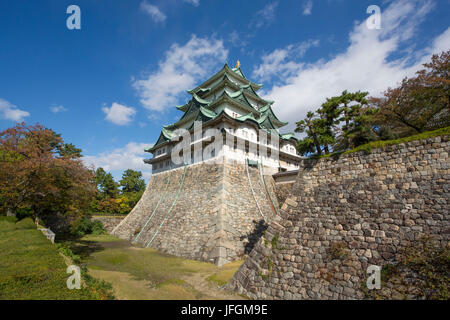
x=206, y=105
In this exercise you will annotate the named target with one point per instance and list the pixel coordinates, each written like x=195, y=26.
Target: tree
x=109, y=205
x=36, y=173
x=132, y=181
x=345, y=108
x=419, y=103
x=310, y=125
x=107, y=186
x=69, y=150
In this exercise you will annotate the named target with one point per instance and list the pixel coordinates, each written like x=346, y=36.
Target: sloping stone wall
x=343, y=215
x=204, y=211
x=282, y=191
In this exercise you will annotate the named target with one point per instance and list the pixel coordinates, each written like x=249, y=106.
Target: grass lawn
x=31, y=266
x=225, y=273
x=144, y=273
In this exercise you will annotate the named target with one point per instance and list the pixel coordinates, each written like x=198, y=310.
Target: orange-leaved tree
x=40, y=172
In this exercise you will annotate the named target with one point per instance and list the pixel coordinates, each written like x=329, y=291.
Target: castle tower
x=228, y=102
x=214, y=205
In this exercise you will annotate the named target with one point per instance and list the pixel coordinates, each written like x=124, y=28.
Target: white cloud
x=9, y=111
x=279, y=63
x=179, y=71
x=57, y=109
x=307, y=7
x=365, y=65
x=193, y=2
x=119, y=114
x=265, y=16
x=129, y=157
x=153, y=11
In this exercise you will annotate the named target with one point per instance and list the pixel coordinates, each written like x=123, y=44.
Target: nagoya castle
x=215, y=205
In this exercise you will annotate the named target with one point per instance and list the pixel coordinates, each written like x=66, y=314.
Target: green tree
x=69, y=150
x=106, y=185
x=132, y=181
x=347, y=109
x=310, y=125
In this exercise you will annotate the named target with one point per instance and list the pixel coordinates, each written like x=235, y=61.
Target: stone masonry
x=204, y=211
x=108, y=222
x=345, y=214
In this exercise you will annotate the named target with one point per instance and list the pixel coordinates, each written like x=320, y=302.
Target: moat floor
x=146, y=274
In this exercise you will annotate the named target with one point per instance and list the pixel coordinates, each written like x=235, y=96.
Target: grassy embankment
x=31, y=267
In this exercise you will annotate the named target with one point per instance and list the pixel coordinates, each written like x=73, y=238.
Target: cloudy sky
x=109, y=87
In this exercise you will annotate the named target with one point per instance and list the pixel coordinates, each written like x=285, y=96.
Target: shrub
x=65, y=250
x=26, y=223
x=98, y=228
x=22, y=213
x=84, y=225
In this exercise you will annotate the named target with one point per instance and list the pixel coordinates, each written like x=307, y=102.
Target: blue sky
x=110, y=86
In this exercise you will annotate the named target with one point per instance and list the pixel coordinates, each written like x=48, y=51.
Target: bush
x=98, y=228
x=26, y=223
x=65, y=250
x=22, y=213
x=84, y=225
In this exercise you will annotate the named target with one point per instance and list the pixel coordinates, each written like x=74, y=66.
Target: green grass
x=108, y=215
x=101, y=238
x=225, y=273
x=147, y=264
x=138, y=273
x=31, y=266
x=368, y=147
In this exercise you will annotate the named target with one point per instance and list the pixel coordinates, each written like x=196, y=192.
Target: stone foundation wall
x=282, y=191
x=108, y=222
x=204, y=211
x=343, y=215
